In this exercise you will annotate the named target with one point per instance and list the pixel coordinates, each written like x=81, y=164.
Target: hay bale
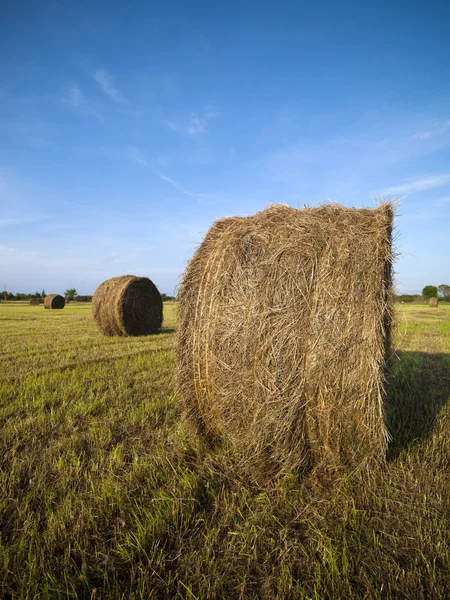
x=35, y=302
x=433, y=302
x=127, y=305
x=54, y=301
x=284, y=322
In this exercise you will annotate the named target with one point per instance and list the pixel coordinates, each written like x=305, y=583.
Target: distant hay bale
x=284, y=322
x=54, y=301
x=127, y=305
x=433, y=302
x=35, y=302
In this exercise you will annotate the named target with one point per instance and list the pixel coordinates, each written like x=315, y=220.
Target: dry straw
x=284, y=326
x=35, y=302
x=127, y=305
x=433, y=302
x=54, y=301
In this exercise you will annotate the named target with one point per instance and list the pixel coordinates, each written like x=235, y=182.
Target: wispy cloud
x=442, y=201
x=185, y=191
x=76, y=100
x=437, y=129
x=422, y=135
x=178, y=187
x=18, y=201
x=113, y=257
x=193, y=124
x=171, y=125
x=75, y=96
x=225, y=199
x=8, y=252
x=416, y=185
x=14, y=192
x=136, y=155
x=105, y=80
x=20, y=221
x=354, y=162
x=196, y=124
x=163, y=161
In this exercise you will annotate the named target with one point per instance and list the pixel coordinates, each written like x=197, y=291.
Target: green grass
x=106, y=493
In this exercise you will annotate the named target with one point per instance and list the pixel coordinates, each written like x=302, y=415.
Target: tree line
x=21, y=296
x=441, y=292
x=70, y=295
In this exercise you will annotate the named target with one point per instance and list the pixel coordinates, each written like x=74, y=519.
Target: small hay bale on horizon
x=54, y=301
x=433, y=302
x=35, y=302
x=284, y=322
x=127, y=305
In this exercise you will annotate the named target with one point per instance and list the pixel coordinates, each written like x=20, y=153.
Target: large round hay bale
x=284, y=323
x=54, y=301
x=35, y=302
x=127, y=305
x=433, y=302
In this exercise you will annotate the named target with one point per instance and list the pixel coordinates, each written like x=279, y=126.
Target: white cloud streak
x=194, y=124
x=171, y=125
x=200, y=197
x=76, y=100
x=437, y=129
x=75, y=96
x=180, y=188
x=442, y=201
x=216, y=198
x=105, y=81
x=416, y=185
x=137, y=156
x=19, y=221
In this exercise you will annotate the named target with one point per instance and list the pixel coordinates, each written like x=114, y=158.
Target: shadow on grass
x=419, y=387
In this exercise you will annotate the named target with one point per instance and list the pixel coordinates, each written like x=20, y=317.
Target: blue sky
x=126, y=129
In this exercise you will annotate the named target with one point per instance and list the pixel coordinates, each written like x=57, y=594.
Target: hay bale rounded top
x=127, y=305
x=35, y=302
x=284, y=322
x=54, y=301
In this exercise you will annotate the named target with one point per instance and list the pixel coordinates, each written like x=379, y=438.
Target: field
x=106, y=493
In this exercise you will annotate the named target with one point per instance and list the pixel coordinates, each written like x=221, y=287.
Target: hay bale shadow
x=419, y=387
x=166, y=330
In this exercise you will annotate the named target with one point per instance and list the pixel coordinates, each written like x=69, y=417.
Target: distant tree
x=43, y=294
x=70, y=293
x=166, y=298
x=20, y=296
x=36, y=295
x=444, y=292
x=83, y=298
x=430, y=291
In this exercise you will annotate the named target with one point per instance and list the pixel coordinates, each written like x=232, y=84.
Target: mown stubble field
x=106, y=493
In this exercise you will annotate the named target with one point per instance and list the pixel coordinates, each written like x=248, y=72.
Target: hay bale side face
x=127, y=305
x=54, y=301
x=433, y=302
x=35, y=302
x=284, y=321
